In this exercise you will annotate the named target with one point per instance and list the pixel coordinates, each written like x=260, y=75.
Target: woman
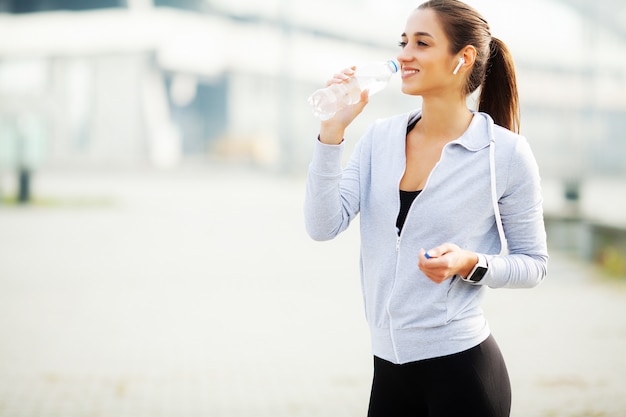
x=437, y=189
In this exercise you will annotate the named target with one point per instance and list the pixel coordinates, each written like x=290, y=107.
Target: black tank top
x=406, y=199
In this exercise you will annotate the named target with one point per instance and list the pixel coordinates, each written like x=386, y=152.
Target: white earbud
x=458, y=67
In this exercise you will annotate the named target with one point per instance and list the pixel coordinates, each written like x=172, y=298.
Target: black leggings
x=473, y=383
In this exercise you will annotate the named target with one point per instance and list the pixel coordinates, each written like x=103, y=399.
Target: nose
x=403, y=57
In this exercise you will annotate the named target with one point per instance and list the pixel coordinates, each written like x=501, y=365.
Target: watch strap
x=478, y=272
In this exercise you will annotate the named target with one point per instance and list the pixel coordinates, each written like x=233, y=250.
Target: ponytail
x=498, y=93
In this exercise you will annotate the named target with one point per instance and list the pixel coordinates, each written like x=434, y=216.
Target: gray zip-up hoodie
x=410, y=317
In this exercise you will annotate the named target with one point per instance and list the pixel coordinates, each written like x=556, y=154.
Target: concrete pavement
x=197, y=293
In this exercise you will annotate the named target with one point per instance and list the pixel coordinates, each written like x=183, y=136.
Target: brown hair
x=493, y=68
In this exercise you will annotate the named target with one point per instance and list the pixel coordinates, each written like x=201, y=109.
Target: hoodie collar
x=479, y=133
x=476, y=137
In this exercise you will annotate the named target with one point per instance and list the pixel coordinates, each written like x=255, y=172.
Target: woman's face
x=425, y=60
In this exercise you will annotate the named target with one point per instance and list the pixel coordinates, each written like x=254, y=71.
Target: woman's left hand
x=445, y=261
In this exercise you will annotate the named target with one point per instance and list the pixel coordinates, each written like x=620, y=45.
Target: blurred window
x=195, y=5
x=30, y=6
x=199, y=109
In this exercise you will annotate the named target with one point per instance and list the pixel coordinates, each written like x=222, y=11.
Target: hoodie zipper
x=398, y=242
x=399, y=235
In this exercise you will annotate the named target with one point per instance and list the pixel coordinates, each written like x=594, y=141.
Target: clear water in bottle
x=374, y=77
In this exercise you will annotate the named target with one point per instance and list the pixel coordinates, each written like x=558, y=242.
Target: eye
x=402, y=44
x=421, y=43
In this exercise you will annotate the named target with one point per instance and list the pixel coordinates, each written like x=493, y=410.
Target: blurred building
x=129, y=82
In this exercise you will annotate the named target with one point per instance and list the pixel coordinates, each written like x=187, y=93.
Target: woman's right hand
x=332, y=130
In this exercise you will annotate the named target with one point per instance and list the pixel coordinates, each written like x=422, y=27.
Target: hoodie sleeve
x=332, y=196
x=521, y=209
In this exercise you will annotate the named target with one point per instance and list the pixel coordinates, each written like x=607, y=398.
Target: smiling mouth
x=409, y=72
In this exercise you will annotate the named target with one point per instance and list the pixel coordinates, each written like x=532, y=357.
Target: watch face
x=478, y=274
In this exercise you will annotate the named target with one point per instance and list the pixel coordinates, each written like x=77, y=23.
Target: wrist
x=327, y=142
x=331, y=135
x=470, y=263
x=478, y=271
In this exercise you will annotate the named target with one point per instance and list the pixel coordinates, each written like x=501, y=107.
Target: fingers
x=365, y=96
x=435, y=263
x=440, y=250
x=342, y=119
x=445, y=261
x=342, y=76
x=430, y=265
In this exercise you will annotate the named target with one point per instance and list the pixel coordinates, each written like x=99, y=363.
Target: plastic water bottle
x=373, y=76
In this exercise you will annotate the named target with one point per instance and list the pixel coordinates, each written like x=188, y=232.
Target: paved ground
x=197, y=294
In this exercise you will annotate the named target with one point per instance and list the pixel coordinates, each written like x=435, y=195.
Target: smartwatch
x=479, y=270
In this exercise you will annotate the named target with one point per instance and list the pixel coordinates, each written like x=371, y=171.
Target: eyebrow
x=416, y=34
